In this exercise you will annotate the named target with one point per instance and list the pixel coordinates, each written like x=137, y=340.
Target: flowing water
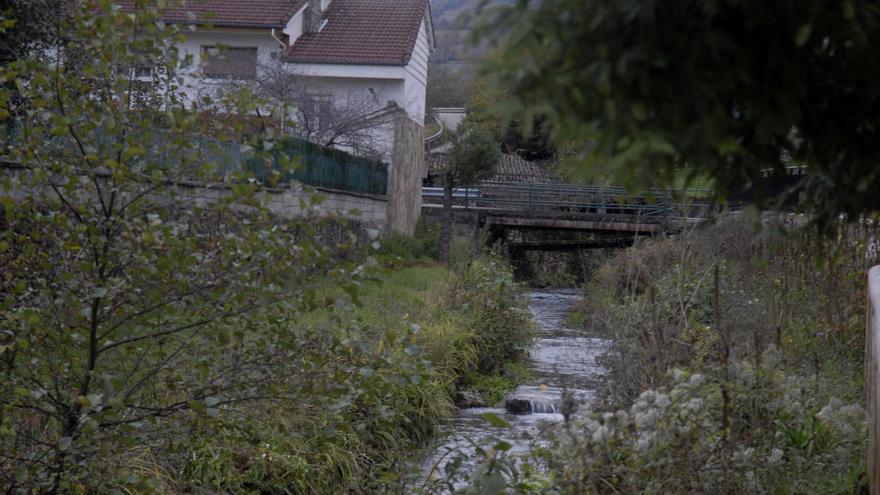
x=565, y=373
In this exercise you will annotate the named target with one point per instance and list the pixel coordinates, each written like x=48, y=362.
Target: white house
x=369, y=57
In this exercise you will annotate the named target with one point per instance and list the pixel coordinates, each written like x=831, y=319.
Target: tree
x=527, y=138
x=32, y=24
x=133, y=312
x=448, y=86
x=348, y=120
x=26, y=26
x=729, y=90
x=472, y=156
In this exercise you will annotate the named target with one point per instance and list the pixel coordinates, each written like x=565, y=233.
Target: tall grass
x=390, y=356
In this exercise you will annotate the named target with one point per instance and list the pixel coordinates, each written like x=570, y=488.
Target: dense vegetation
x=395, y=358
x=162, y=331
x=736, y=366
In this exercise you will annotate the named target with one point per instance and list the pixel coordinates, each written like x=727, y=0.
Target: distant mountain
x=453, y=64
x=453, y=27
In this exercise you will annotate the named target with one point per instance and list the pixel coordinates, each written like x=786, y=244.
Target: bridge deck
x=570, y=207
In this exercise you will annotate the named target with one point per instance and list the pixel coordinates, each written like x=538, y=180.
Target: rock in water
x=469, y=398
x=518, y=406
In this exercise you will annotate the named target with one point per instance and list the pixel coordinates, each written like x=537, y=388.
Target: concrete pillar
x=405, y=173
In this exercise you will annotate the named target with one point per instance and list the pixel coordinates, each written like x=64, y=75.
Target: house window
x=233, y=62
x=143, y=72
x=316, y=110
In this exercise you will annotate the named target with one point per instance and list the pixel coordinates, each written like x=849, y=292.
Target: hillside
x=456, y=58
x=453, y=20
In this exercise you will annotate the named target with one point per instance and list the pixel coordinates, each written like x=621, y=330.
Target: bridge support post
x=477, y=231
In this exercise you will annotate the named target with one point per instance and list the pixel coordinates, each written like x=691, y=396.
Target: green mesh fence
x=323, y=167
x=313, y=164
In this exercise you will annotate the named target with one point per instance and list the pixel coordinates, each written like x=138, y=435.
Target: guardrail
x=539, y=199
x=872, y=379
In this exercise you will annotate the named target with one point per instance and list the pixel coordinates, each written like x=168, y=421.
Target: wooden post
x=872, y=379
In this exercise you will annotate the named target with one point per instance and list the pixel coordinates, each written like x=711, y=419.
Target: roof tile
x=264, y=14
x=368, y=32
x=510, y=168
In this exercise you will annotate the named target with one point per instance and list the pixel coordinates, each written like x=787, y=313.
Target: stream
x=565, y=374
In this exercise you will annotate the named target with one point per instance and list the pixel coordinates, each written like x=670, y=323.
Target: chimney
x=312, y=17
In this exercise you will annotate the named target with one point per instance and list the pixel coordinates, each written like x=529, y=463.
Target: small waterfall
x=543, y=407
x=532, y=405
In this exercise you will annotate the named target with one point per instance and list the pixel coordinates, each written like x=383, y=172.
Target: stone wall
x=405, y=175
x=290, y=201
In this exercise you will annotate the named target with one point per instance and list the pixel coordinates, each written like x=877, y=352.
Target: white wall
x=416, y=78
x=269, y=51
x=450, y=117
x=406, y=86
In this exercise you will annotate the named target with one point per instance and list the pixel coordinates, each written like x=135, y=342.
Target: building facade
x=350, y=74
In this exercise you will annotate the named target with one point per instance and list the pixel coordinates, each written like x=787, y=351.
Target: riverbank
x=736, y=364
x=385, y=365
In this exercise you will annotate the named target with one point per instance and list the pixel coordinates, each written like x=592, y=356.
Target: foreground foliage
x=161, y=331
x=731, y=90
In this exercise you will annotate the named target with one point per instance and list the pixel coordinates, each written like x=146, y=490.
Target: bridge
x=614, y=216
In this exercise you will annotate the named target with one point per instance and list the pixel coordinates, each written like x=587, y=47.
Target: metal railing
x=541, y=199
x=872, y=378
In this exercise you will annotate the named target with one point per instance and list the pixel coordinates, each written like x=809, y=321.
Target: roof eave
x=228, y=25
x=333, y=62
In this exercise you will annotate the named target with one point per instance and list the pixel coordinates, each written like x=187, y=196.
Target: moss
x=495, y=386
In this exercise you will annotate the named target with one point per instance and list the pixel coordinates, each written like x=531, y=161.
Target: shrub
x=736, y=364
x=499, y=318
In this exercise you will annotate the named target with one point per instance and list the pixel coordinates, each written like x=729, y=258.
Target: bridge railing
x=541, y=199
x=872, y=378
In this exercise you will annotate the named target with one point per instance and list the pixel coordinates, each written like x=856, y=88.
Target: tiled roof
x=510, y=168
x=264, y=14
x=368, y=32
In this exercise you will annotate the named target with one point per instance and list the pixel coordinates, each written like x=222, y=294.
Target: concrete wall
x=286, y=201
x=405, y=175
x=450, y=117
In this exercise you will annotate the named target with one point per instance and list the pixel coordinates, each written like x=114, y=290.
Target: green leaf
x=803, y=35
x=495, y=420
x=64, y=443
x=502, y=446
